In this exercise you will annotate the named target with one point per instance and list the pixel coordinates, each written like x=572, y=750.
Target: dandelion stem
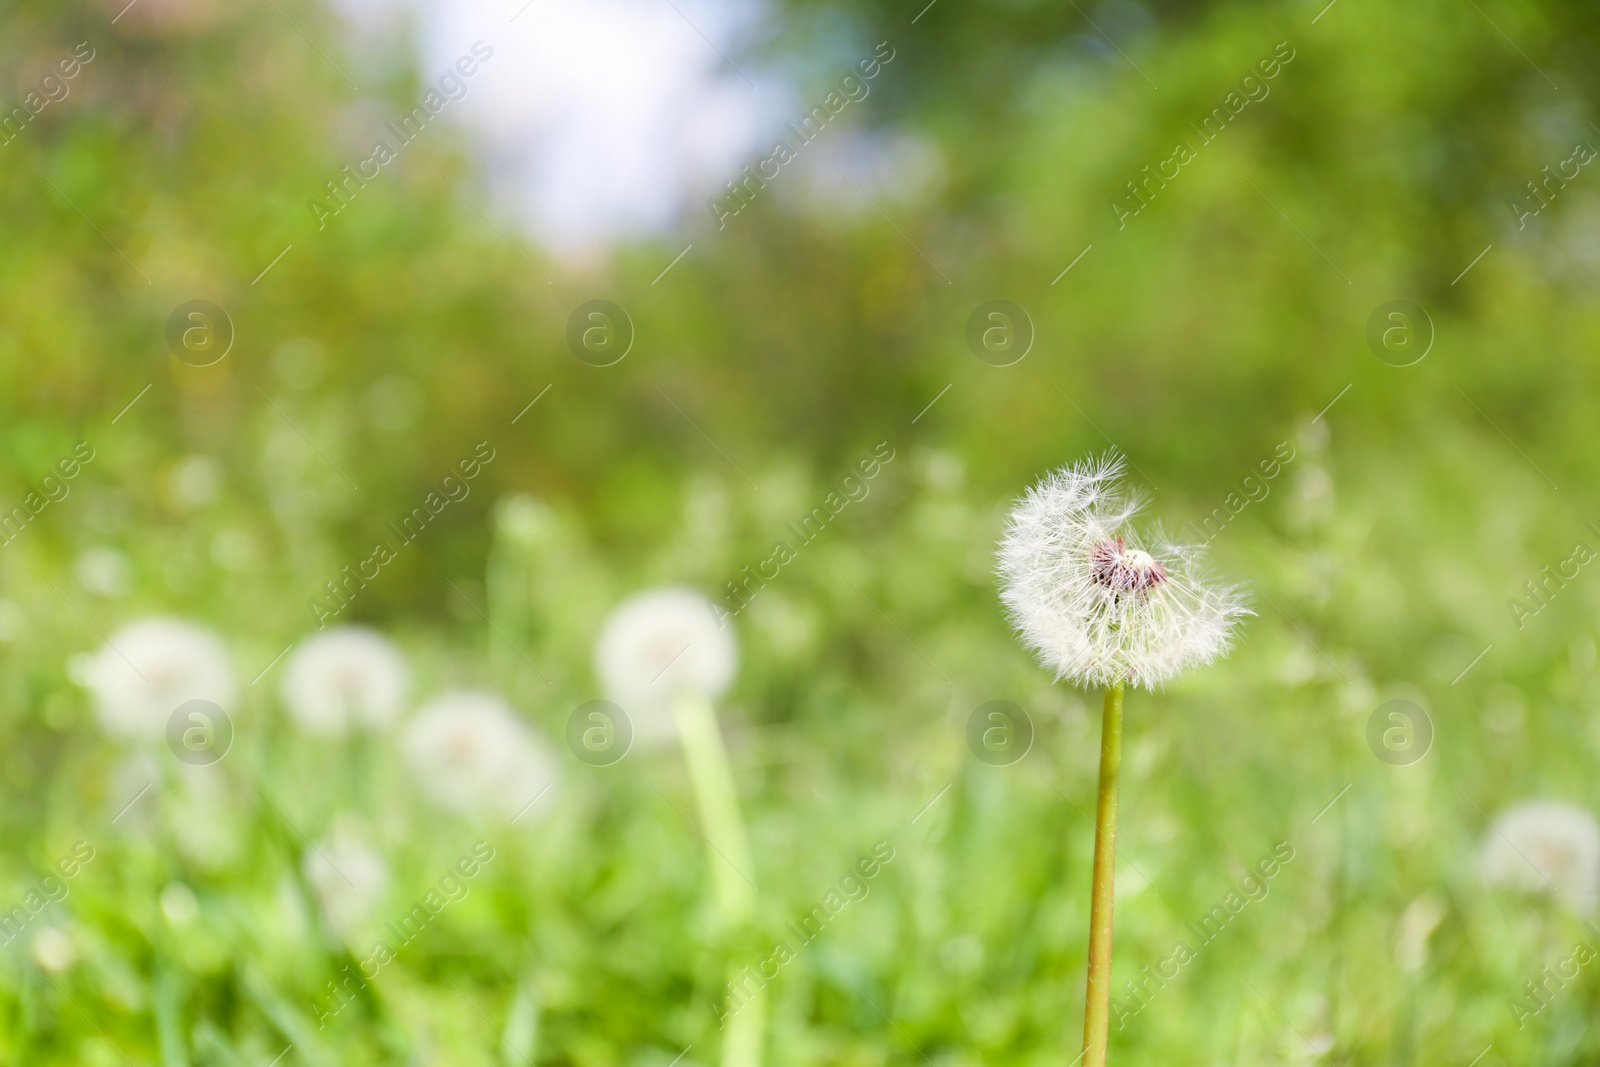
x=731, y=871
x=1097, y=1007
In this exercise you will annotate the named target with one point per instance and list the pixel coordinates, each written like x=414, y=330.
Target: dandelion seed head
x=657, y=646
x=1545, y=846
x=473, y=755
x=149, y=667
x=1094, y=602
x=342, y=677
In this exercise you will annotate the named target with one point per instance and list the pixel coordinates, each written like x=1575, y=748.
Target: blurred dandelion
x=657, y=647
x=664, y=658
x=1545, y=846
x=147, y=668
x=473, y=755
x=1101, y=610
x=347, y=875
x=343, y=677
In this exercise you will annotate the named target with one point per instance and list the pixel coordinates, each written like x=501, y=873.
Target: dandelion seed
x=342, y=677
x=149, y=667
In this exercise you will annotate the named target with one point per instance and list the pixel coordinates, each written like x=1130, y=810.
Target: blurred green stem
x=170, y=1030
x=1097, y=1008
x=735, y=892
x=519, y=1042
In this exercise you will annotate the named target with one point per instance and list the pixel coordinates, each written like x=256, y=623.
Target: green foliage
x=1197, y=335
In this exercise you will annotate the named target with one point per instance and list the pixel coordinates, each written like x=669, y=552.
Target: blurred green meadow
x=1417, y=539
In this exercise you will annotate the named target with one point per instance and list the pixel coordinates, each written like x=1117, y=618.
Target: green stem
x=733, y=889
x=1097, y=1007
x=746, y=1032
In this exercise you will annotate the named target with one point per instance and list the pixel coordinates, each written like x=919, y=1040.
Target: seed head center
x=1123, y=569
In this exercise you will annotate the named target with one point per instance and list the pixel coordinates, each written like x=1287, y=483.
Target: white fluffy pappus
x=1093, y=602
x=1545, y=846
x=149, y=667
x=657, y=646
x=342, y=677
x=474, y=756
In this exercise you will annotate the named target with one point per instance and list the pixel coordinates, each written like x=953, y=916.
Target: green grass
x=1381, y=562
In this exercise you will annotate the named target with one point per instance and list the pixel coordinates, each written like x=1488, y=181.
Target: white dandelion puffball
x=1546, y=846
x=1097, y=606
x=149, y=667
x=657, y=646
x=474, y=756
x=342, y=677
x=347, y=875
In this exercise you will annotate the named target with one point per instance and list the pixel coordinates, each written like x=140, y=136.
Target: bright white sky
x=598, y=118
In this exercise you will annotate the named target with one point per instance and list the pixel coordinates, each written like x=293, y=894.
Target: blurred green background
x=1223, y=324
